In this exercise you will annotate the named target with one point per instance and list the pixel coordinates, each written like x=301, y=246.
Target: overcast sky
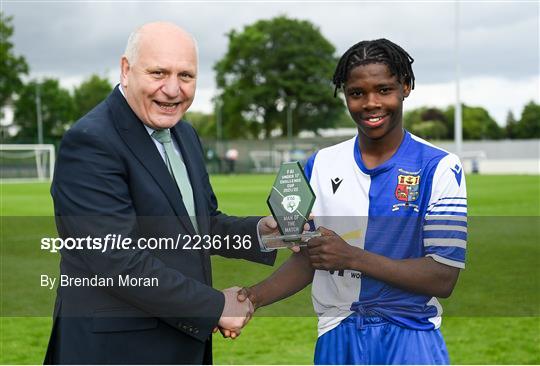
x=499, y=52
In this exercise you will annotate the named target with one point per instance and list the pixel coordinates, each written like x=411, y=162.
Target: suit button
x=196, y=331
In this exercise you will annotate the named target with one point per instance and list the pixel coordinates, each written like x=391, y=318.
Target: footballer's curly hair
x=378, y=51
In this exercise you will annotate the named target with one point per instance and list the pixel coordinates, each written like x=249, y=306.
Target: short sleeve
x=445, y=222
x=308, y=168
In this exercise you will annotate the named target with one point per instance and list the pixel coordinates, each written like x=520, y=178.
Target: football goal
x=26, y=162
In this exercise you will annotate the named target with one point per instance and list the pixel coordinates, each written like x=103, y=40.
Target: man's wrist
x=224, y=305
x=259, y=238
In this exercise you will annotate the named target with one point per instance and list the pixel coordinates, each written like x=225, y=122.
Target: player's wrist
x=251, y=295
x=354, y=259
x=254, y=297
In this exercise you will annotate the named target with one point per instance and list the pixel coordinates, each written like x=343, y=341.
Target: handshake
x=237, y=312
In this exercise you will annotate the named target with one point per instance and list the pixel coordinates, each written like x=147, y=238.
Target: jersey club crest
x=407, y=187
x=407, y=191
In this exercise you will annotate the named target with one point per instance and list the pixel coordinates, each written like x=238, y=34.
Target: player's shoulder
x=330, y=155
x=427, y=148
x=436, y=155
x=443, y=166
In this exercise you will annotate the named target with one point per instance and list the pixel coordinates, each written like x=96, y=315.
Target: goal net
x=265, y=161
x=26, y=162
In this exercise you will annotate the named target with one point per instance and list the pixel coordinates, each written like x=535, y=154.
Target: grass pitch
x=493, y=317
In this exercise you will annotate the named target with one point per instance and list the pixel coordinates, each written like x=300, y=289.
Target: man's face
x=375, y=100
x=160, y=83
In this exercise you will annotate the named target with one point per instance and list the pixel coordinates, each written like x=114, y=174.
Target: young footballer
x=392, y=210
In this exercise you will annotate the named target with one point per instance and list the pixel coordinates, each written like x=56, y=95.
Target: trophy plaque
x=290, y=202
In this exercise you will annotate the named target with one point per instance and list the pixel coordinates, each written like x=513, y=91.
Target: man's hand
x=330, y=252
x=242, y=295
x=268, y=226
x=235, y=314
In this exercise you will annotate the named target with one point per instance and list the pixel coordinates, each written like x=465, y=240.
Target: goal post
x=26, y=162
x=266, y=161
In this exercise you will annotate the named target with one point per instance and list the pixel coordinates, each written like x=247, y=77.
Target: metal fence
x=261, y=156
x=265, y=156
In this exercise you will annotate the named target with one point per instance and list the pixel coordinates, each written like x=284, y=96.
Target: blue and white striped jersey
x=411, y=206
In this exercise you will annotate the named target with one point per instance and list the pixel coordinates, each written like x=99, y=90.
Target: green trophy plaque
x=290, y=202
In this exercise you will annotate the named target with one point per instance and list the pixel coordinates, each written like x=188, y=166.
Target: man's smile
x=167, y=107
x=375, y=120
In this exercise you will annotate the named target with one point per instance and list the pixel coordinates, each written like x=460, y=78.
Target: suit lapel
x=132, y=131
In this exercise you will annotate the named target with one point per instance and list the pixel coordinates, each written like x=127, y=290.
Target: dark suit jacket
x=110, y=179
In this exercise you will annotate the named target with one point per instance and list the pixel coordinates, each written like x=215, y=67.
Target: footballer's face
x=375, y=101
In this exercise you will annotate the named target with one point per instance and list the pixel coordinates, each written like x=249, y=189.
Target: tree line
x=60, y=108
x=438, y=124
x=275, y=76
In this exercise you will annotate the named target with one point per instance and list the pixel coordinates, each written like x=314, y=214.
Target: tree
x=413, y=117
x=271, y=66
x=57, y=109
x=428, y=123
x=344, y=120
x=12, y=67
x=528, y=126
x=477, y=123
x=89, y=94
x=433, y=114
x=205, y=124
x=430, y=130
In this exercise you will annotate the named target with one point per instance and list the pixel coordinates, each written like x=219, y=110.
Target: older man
x=129, y=169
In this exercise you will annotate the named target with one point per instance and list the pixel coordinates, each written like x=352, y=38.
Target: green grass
x=492, y=317
x=25, y=199
x=503, y=195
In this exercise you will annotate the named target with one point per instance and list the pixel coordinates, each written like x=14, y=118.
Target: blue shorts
x=375, y=340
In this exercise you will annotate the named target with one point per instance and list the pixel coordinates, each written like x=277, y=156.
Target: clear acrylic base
x=286, y=241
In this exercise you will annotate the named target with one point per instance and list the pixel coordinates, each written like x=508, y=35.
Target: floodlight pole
x=219, y=131
x=38, y=114
x=39, y=161
x=458, y=117
x=289, y=124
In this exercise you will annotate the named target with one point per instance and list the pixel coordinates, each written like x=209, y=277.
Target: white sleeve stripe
x=446, y=261
x=445, y=242
x=445, y=208
x=450, y=204
x=453, y=213
x=446, y=217
x=445, y=227
x=449, y=200
x=446, y=204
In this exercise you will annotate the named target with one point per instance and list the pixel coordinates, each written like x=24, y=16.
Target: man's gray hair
x=132, y=46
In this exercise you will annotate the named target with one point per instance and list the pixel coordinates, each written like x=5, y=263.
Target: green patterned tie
x=177, y=168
